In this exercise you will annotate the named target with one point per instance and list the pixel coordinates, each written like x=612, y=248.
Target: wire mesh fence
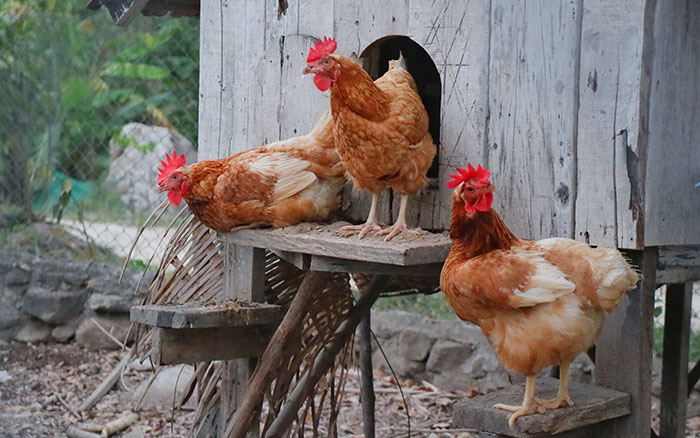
x=88, y=110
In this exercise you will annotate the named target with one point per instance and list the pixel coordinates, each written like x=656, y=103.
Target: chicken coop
x=586, y=112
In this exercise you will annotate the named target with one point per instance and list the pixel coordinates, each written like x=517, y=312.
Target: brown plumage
x=539, y=303
x=381, y=131
x=278, y=184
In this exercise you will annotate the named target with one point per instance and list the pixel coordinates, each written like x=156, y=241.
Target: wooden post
x=674, y=379
x=623, y=351
x=367, y=389
x=244, y=279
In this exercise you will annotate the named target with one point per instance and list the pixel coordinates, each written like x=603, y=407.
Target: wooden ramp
x=592, y=405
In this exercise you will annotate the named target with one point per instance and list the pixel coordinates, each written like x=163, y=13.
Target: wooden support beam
x=674, y=378
x=249, y=407
x=367, y=388
x=174, y=346
x=678, y=264
x=623, y=351
x=325, y=359
x=194, y=315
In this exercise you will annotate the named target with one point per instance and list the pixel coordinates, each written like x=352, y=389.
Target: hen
x=539, y=303
x=278, y=184
x=381, y=129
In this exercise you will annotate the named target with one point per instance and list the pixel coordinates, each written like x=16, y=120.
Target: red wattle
x=322, y=82
x=175, y=197
x=484, y=203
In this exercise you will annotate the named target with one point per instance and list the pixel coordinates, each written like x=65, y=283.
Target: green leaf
x=658, y=311
x=128, y=70
x=76, y=92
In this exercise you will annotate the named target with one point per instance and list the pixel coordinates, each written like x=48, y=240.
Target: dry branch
x=74, y=432
x=107, y=384
x=325, y=358
x=289, y=328
x=119, y=424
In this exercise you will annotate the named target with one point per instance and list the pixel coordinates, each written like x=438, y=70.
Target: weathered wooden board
x=608, y=209
x=678, y=264
x=193, y=315
x=673, y=157
x=174, y=346
x=592, y=404
x=532, y=107
x=624, y=350
x=323, y=240
x=336, y=264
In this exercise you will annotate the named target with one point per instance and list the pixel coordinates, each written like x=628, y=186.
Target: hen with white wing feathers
x=539, y=303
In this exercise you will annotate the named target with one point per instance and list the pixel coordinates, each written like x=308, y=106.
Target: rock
x=17, y=276
x=160, y=394
x=109, y=303
x=53, y=307
x=90, y=336
x=5, y=376
x=64, y=333
x=34, y=331
x=9, y=316
x=415, y=345
x=447, y=356
x=133, y=166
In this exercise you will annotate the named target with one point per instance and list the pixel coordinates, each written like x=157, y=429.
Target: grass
x=694, y=343
x=433, y=306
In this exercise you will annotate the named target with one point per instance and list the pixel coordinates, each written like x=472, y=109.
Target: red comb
x=171, y=165
x=480, y=174
x=321, y=47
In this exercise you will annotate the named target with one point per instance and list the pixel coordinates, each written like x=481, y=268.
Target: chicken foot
x=563, y=398
x=400, y=226
x=528, y=407
x=371, y=225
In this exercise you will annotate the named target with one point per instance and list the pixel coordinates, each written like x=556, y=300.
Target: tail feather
x=618, y=276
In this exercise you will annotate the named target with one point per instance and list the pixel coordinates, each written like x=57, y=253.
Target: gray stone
x=170, y=381
x=447, y=356
x=34, y=331
x=64, y=333
x=109, y=303
x=9, y=316
x=90, y=336
x=53, y=307
x=131, y=169
x=17, y=276
x=415, y=345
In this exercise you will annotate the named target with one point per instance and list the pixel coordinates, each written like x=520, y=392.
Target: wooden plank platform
x=233, y=313
x=678, y=264
x=592, y=404
x=326, y=241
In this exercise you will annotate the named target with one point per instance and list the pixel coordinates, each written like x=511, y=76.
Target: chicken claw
x=397, y=229
x=519, y=411
x=363, y=229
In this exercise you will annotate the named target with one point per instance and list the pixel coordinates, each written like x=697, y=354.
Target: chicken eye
x=174, y=177
x=326, y=61
x=470, y=189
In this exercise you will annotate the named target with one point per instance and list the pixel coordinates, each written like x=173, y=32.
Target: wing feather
x=291, y=174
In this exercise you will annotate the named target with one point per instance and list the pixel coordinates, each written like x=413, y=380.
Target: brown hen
x=381, y=129
x=278, y=184
x=539, y=303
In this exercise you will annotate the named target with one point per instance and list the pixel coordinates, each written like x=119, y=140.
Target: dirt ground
x=41, y=387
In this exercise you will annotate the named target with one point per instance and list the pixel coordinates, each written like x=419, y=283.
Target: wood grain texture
x=674, y=379
x=592, y=404
x=612, y=37
x=627, y=334
x=193, y=315
x=678, y=264
x=323, y=240
x=673, y=158
x=532, y=103
x=175, y=346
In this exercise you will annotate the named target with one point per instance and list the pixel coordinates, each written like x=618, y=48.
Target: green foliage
x=433, y=306
x=70, y=79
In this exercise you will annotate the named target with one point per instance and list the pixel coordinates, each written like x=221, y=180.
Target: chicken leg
x=400, y=225
x=528, y=407
x=370, y=225
x=563, y=398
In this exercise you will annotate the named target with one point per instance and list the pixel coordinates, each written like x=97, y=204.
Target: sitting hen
x=539, y=303
x=381, y=129
x=278, y=184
